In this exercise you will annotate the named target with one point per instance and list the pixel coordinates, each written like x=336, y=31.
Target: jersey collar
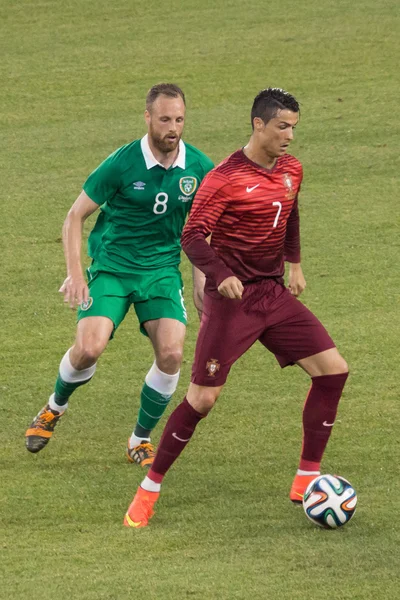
x=151, y=161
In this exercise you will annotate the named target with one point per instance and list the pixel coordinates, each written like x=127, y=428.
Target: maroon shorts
x=267, y=313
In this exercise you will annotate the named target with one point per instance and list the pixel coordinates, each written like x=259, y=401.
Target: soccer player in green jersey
x=144, y=191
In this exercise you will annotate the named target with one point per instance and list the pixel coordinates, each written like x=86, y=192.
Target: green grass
x=74, y=76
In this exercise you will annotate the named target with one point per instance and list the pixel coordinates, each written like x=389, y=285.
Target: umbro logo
x=138, y=185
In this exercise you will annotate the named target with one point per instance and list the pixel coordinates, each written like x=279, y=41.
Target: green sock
x=152, y=407
x=63, y=390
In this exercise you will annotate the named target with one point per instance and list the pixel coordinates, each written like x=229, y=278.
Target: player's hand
x=75, y=290
x=296, y=282
x=231, y=287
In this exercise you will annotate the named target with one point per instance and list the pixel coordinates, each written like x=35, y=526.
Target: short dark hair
x=267, y=103
x=167, y=89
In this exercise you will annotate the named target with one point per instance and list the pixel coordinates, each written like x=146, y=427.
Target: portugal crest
x=188, y=185
x=288, y=183
x=212, y=367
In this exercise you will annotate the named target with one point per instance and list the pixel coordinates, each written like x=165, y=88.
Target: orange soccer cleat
x=41, y=429
x=142, y=455
x=141, y=508
x=299, y=486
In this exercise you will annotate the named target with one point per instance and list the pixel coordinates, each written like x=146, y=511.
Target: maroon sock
x=318, y=417
x=177, y=433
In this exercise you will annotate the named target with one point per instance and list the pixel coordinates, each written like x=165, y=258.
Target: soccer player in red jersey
x=249, y=205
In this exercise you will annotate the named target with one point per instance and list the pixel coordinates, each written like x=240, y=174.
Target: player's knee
x=169, y=359
x=204, y=399
x=339, y=366
x=88, y=351
x=327, y=363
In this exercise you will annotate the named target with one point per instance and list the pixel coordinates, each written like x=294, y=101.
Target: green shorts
x=155, y=294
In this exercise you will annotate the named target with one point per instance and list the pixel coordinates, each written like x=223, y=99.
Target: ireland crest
x=188, y=185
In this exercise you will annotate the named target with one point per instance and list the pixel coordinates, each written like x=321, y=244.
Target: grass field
x=74, y=76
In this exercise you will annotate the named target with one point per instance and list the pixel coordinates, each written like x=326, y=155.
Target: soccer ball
x=330, y=501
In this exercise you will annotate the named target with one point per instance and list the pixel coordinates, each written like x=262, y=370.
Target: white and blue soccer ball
x=330, y=501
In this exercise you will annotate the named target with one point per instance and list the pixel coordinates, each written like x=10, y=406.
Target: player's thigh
x=92, y=336
x=226, y=333
x=329, y=362
x=167, y=337
x=293, y=332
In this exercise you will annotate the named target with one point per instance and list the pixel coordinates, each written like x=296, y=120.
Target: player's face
x=275, y=137
x=165, y=122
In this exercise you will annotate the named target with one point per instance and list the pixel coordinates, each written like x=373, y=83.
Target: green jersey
x=143, y=206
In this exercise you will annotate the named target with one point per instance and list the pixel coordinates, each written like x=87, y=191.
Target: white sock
x=71, y=375
x=54, y=406
x=161, y=382
x=150, y=486
x=300, y=472
x=135, y=441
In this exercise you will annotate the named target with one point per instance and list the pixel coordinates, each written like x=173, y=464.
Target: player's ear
x=258, y=124
x=147, y=116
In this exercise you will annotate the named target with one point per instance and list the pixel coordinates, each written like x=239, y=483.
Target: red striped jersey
x=252, y=214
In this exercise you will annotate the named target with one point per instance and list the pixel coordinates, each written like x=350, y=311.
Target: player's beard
x=162, y=143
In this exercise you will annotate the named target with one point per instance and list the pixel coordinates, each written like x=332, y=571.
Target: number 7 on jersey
x=279, y=205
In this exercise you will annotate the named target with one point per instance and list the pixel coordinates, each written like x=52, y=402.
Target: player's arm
x=74, y=288
x=100, y=187
x=296, y=280
x=199, y=280
x=209, y=204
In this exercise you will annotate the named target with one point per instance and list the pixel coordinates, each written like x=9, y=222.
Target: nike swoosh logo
x=178, y=438
x=328, y=424
x=132, y=523
x=250, y=189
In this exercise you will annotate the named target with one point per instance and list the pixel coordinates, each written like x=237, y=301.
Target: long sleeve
x=292, y=238
x=210, y=203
